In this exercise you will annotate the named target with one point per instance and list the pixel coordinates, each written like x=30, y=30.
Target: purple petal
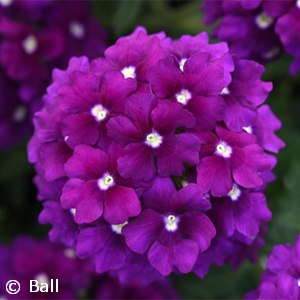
x=142, y=231
x=87, y=163
x=121, y=203
x=137, y=163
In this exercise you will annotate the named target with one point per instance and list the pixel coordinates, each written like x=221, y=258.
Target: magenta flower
x=287, y=28
x=191, y=87
x=50, y=262
x=149, y=136
x=280, y=280
x=259, y=29
x=89, y=103
x=172, y=228
x=35, y=37
x=231, y=157
x=154, y=159
x=93, y=175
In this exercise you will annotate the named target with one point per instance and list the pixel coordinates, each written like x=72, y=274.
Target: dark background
x=19, y=208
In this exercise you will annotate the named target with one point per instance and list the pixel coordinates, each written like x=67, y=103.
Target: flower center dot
x=298, y=4
x=263, y=20
x=298, y=282
x=105, y=182
x=19, y=114
x=154, y=140
x=224, y=150
x=30, y=44
x=128, y=72
x=182, y=63
x=248, y=129
x=73, y=211
x=183, y=96
x=70, y=253
x=6, y=2
x=77, y=30
x=99, y=112
x=118, y=228
x=225, y=91
x=171, y=223
x=235, y=193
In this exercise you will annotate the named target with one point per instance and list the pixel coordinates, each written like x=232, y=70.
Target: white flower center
x=182, y=63
x=99, y=112
x=73, y=211
x=248, y=129
x=235, y=193
x=118, y=228
x=154, y=140
x=129, y=72
x=171, y=223
x=184, y=183
x=6, y=2
x=105, y=182
x=298, y=4
x=77, y=30
x=225, y=91
x=30, y=44
x=183, y=96
x=263, y=20
x=299, y=278
x=223, y=149
x=42, y=278
x=19, y=114
x=70, y=253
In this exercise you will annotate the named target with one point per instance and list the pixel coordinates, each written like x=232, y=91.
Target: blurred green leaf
x=126, y=14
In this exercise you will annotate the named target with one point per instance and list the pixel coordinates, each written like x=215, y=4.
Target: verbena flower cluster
x=281, y=279
x=154, y=158
x=257, y=29
x=27, y=259
x=36, y=36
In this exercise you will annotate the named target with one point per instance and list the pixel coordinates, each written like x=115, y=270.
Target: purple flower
x=244, y=94
x=50, y=262
x=197, y=86
x=15, y=117
x=154, y=158
x=95, y=188
x=88, y=103
x=35, y=37
x=230, y=157
x=172, y=228
x=265, y=127
x=287, y=28
x=133, y=55
x=64, y=229
x=259, y=29
x=111, y=288
x=240, y=214
x=280, y=280
x=107, y=246
x=149, y=136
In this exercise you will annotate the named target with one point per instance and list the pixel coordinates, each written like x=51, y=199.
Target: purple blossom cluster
x=154, y=159
x=257, y=29
x=35, y=37
x=281, y=279
x=27, y=259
